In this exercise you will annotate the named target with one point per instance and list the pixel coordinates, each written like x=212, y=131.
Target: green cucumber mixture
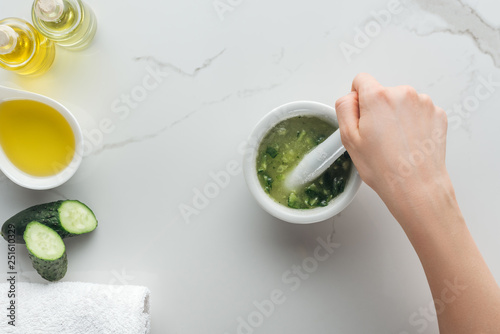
x=280, y=152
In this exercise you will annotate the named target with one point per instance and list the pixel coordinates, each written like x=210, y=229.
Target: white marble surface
x=218, y=75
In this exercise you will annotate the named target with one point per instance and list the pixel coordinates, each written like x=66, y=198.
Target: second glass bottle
x=70, y=23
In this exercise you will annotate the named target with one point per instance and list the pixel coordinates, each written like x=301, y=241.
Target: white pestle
x=315, y=162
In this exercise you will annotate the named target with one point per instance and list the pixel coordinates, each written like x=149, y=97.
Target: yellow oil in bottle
x=23, y=49
x=69, y=23
x=35, y=137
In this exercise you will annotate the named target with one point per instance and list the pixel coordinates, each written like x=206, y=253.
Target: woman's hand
x=396, y=139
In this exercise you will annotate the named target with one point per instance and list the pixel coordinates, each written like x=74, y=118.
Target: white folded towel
x=75, y=308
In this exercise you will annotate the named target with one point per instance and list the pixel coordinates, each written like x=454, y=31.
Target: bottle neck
x=8, y=39
x=49, y=10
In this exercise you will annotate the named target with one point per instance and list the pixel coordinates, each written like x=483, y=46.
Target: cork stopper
x=49, y=10
x=8, y=39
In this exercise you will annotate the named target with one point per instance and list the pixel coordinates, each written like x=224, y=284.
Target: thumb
x=347, y=108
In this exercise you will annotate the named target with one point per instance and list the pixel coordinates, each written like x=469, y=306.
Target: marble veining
x=206, y=64
x=462, y=19
x=242, y=93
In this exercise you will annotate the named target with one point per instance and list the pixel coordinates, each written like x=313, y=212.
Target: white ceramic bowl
x=306, y=216
x=33, y=182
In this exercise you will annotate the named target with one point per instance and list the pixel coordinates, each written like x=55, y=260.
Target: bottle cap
x=8, y=39
x=49, y=10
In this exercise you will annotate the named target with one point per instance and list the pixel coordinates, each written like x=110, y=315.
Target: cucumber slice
x=293, y=201
x=46, y=250
x=272, y=152
x=76, y=218
x=67, y=218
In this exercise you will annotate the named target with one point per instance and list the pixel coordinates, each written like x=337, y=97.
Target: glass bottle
x=23, y=49
x=69, y=23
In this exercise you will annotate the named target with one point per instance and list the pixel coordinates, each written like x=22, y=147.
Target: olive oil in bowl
x=35, y=137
